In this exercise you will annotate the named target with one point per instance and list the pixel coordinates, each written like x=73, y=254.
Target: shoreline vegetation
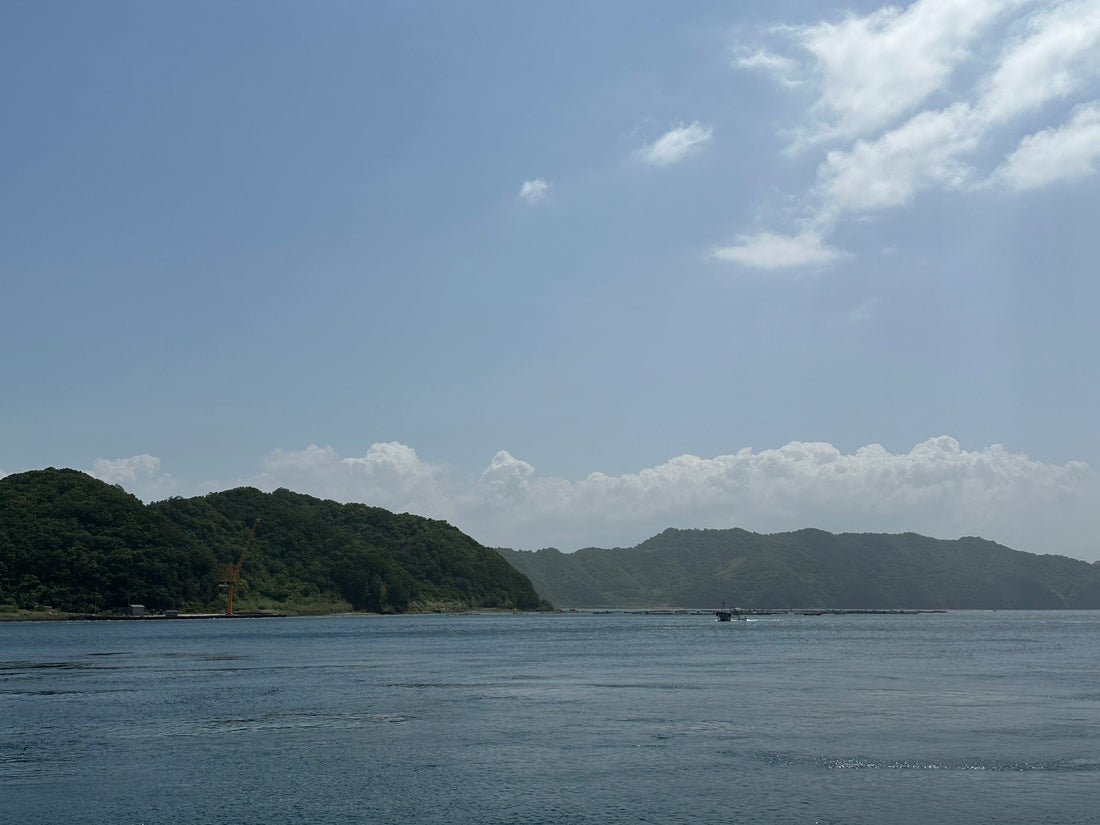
x=60, y=616
x=74, y=546
x=64, y=616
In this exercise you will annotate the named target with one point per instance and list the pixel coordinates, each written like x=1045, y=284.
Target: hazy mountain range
x=811, y=569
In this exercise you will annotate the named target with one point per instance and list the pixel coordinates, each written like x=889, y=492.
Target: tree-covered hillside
x=809, y=569
x=74, y=543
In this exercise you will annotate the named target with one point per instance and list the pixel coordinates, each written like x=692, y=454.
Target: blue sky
x=564, y=273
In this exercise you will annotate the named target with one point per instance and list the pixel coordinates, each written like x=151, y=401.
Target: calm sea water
x=935, y=718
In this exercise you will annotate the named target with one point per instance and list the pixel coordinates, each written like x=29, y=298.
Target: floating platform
x=170, y=616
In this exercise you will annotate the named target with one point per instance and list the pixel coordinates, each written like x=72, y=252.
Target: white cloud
x=389, y=475
x=1055, y=154
x=874, y=72
x=937, y=489
x=782, y=68
x=924, y=152
x=1058, y=53
x=769, y=251
x=875, y=68
x=505, y=479
x=139, y=474
x=533, y=191
x=675, y=144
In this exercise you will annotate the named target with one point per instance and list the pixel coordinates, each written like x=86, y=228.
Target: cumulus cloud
x=505, y=479
x=389, y=475
x=937, y=488
x=769, y=251
x=675, y=145
x=533, y=191
x=919, y=98
x=139, y=474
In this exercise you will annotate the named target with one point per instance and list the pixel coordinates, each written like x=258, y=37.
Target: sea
x=540, y=719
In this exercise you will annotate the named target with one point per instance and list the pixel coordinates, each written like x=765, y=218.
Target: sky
x=563, y=274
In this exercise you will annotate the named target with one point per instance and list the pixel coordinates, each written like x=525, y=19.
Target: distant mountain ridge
x=74, y=543
x=809, y=569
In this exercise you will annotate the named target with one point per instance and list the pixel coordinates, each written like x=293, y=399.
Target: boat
x=733, y=614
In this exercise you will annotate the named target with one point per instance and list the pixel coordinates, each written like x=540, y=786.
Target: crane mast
x=233, y=572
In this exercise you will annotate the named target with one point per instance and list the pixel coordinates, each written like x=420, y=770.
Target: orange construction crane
x=233, y=572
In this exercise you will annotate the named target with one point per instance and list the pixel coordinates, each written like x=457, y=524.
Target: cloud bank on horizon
x=936, y=489
x=938, y=95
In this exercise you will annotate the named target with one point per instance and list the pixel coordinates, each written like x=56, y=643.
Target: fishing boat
x=733, y=614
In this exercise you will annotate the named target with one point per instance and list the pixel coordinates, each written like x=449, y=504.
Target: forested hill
x=77, y=544
x=809, y=569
